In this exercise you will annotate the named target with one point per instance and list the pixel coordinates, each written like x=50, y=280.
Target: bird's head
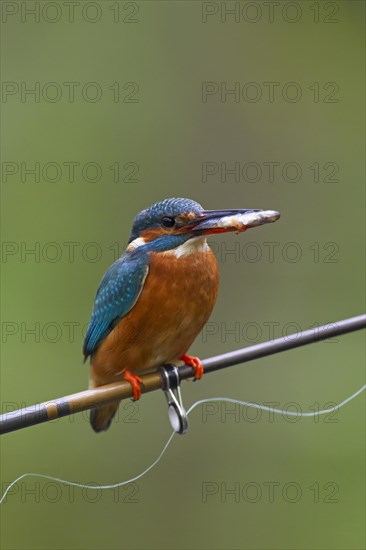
x=172, y=222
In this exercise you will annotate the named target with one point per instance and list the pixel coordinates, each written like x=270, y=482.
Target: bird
x=155, y=299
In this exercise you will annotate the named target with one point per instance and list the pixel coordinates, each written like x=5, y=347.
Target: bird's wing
x=116, y=295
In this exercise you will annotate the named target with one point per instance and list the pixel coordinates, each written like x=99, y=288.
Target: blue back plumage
x=116, y=295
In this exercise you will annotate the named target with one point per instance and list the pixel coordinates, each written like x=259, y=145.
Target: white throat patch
x=192, y=246
x=135, y=244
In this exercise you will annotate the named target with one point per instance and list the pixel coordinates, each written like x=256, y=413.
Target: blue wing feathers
x=115, y=297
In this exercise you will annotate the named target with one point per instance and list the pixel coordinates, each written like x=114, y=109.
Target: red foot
x=194, y=362
x=135, y=382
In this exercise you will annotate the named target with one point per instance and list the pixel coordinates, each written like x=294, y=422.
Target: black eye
x=167, y=222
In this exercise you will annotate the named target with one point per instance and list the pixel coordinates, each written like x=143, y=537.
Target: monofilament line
x=157, y=460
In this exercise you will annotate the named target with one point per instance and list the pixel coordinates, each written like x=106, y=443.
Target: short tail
x=101, y=417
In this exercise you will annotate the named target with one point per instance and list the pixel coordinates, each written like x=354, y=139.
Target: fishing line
x=157, y=460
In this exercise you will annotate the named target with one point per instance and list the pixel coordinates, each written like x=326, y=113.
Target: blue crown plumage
x=151, y=216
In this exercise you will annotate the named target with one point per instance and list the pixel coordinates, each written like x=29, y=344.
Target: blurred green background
x=139, y=105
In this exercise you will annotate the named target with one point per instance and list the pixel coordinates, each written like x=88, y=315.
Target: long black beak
x=223, y=221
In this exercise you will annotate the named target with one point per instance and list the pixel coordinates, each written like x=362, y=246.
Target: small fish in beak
x=223, y=221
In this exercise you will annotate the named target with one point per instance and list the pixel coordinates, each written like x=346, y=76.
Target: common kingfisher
x=155, y=299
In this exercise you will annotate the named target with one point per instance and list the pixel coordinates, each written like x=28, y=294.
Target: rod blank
x=84, y=400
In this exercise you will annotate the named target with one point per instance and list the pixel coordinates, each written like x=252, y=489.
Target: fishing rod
x=168, y=378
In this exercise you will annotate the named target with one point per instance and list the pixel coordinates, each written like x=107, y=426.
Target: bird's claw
x=135, y=382
x=196, y=363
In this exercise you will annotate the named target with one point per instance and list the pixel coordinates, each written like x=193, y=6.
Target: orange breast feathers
x=176, y=301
